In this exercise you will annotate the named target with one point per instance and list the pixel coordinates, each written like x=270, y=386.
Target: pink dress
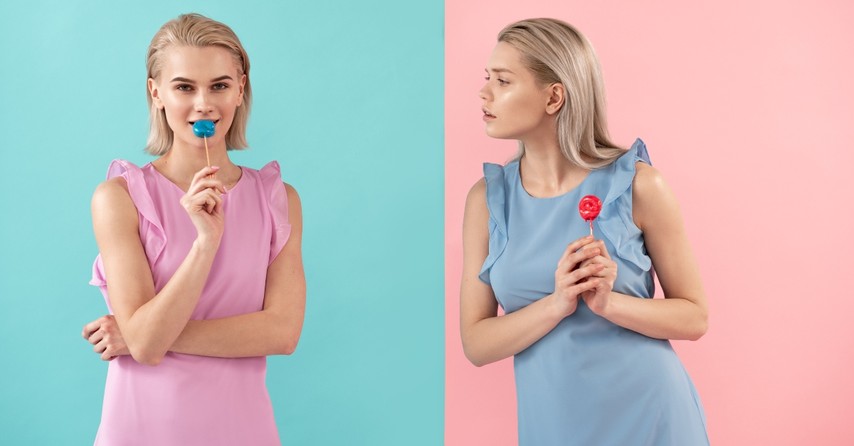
x=188, y=399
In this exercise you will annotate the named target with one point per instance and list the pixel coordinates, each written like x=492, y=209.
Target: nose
x=203, y=104
x=484, y=92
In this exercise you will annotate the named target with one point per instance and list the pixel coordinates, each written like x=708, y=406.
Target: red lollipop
x=589, y=208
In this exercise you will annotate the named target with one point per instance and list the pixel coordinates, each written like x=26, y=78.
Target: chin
x=494, y=133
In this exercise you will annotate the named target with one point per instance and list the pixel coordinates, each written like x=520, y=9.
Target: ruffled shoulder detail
x=496, y=202
x=150, y=228
x=615, y=220
x=277, y=198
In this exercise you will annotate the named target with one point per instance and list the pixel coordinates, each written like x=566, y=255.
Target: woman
x=592, y=359
x=200, y=261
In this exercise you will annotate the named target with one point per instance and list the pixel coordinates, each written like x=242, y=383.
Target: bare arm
x=150, y=323
x=273, y=330
x=683, y=314
x=488, y=337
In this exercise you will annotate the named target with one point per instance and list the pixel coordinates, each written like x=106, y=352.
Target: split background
x=746, y=108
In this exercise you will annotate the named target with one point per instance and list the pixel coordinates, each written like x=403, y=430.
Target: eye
x=184, y=87
x=502, y=82
x=219, y=86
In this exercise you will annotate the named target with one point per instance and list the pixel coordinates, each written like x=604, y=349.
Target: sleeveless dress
x=188, y=399
x=588, y=381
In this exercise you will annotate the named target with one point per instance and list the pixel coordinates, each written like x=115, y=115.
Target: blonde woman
x=201, y=267
x=592, y=359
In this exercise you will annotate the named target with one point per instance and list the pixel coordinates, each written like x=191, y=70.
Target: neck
x=182, y=162
x=545, y=170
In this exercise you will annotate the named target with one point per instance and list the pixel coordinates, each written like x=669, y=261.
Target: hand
x=203, y=203
x=104, y=334
x=573, y=277
x=598, y=298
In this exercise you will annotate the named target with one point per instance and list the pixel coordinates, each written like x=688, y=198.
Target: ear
x=155, y=94
x=557, y=97
x=240, y=86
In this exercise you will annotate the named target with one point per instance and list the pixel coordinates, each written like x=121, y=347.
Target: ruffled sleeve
x=277, y=195
x=615, y=220
x=496, y=203
x=150, y=228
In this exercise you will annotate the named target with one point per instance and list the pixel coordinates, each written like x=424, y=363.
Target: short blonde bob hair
x=557, y=53
x=197, y=31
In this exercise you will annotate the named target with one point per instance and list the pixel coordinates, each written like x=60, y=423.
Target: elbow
x=287, y=343
x=147, y=357
x=146, y=354
x=699, y=328
x=474, y=357
x=477, y=362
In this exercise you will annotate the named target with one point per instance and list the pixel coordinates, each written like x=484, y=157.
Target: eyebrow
x=190, y=81
x=498, y=70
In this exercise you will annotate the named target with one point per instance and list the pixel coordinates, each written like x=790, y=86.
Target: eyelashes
x=501, y=82
x=219, y=86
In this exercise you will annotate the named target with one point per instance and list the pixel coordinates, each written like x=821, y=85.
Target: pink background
x=747, y=110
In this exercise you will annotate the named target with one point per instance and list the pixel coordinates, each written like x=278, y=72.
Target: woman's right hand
x=572, y=280
x=203, y=203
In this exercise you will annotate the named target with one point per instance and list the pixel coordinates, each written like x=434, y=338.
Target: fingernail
x=215, y=167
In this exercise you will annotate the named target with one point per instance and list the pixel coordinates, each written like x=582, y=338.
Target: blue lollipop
x=204, y=128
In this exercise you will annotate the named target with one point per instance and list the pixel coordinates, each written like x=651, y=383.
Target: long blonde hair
x=197, y=31
x=557, y=53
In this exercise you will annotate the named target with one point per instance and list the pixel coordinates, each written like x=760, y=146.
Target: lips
x=215, y=121
x=487, y=114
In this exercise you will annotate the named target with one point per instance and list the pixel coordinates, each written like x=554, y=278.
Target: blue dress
x=588, y=381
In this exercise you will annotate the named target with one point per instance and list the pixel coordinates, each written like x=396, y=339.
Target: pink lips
x=487, y=116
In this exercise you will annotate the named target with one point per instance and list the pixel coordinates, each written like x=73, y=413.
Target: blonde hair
x=197, y=31
x=557, y=53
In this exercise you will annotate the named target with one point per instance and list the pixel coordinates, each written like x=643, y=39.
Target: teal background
x=348, y=98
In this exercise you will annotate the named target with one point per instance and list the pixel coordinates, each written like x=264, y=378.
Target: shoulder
x=478, y=191
x=292, y=192
x=652, y=198
x=294, y=201
x=113, y=191
x=476, y=198
x=648, y=181
x=112, y=206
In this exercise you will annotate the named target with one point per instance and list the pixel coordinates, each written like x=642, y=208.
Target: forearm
x=495, y=338
x=155, y=325
x=254, y=334
x=671, y=318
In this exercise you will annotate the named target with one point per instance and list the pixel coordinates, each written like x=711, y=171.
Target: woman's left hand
x=598, y=298
x=104, y=334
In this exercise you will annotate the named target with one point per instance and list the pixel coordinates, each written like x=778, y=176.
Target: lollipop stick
x=591, y=228
x=207, y=155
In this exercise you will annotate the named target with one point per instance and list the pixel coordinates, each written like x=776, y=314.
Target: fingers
x=578, y=275
x=95, y=325
x=603, y=249
x=206, y=183
x=205, y=191
x=576, y=257
x=575, y=246
x=96, y=337
x=204, y=174
x=90, y=328
x=206, y=200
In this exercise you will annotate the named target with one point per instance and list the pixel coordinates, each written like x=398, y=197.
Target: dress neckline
x=553, y=197
x=182, y=191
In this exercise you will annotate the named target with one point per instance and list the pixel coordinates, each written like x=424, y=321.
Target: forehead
x=197, y=62
x=505, y=57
